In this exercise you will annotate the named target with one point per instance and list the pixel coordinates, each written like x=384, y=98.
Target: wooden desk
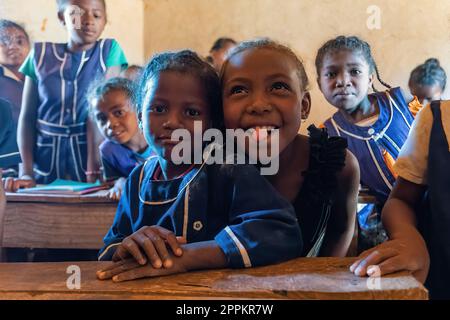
x=365, y=197
x=303, y=278
x=57, y=221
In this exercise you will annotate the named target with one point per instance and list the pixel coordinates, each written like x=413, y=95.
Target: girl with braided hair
x=376, y=125
x=427, y=81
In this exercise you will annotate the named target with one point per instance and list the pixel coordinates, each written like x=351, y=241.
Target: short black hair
x=61, y=4
x=185, y=62
x=352, y=44
x=267, y=43
x=221, y=43
x=8, y=24
x=429, y=73
x=100, y=87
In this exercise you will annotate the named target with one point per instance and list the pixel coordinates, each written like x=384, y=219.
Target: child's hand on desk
x=150, y=243
x=129, y=269
x=116, y=191
x=14, y=184
x=408, y=253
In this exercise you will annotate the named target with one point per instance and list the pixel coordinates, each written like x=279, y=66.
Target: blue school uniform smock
x=233, y=205
x=434, y=220
x=388, y=133
x=62, y=79
x=9, y=152
x=369, y=144
x=11, y=89
x=118, y=161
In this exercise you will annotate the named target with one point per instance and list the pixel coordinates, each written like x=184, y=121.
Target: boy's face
x=425, y=93
x=262, y=90
x=345, y=79
x=115, y=117
x=14, y=48
x=85, y=20
x=219, y=56
x=173, y=101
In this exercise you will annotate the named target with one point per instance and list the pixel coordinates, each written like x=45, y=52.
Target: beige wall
x=411, y=30
x=125, y=22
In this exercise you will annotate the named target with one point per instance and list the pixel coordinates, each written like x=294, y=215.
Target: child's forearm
x=203, y=255
x=93, y=163
x=398, y=218
x=26, y=131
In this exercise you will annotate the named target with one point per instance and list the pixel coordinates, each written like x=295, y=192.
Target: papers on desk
x=60, y=186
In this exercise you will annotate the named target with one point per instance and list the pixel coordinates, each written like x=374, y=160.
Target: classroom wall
x=125, y=23
x=411, y=30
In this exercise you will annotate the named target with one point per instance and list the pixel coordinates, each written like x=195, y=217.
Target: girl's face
x=14, y=48
x=173, y=101
x=425, y=93
x=262, y=90
x=345, y=79
x=84, y=20
x=115, y=117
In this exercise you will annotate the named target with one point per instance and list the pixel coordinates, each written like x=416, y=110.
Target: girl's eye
x=192, y=112
x=119, y=113
x=355, y=72
x=330, y=74
x=158, y=109
x=237, y=90
x=280, y=86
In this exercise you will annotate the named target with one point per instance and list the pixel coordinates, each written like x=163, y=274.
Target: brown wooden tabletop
x=303, y=278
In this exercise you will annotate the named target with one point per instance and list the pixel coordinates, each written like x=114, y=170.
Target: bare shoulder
x=348, y=177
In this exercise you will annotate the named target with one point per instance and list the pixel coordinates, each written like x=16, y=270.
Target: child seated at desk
x=228, y=215
x=112, y=108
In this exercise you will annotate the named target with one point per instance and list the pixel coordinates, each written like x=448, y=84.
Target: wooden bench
x=303, y=278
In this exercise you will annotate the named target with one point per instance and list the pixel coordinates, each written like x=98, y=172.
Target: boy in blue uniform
x=124, y=148
x=228, y=215
x=58, y=75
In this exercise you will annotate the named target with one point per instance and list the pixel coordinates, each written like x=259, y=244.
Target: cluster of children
x=174, y=217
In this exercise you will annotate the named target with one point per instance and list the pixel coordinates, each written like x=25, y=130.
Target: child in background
x=14, y=48
x=9, y=153
x=265, y=87
x=427, y=81
x=112, y=108
x=228, y=214
x=376, y=125
x=423, y=170
x=219, y=50
x=132, y=73
x=62, y=146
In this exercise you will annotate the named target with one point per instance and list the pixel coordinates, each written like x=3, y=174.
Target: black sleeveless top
x=315, y=199
x=434, y=218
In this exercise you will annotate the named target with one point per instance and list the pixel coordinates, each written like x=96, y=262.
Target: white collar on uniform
x=8, y=73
